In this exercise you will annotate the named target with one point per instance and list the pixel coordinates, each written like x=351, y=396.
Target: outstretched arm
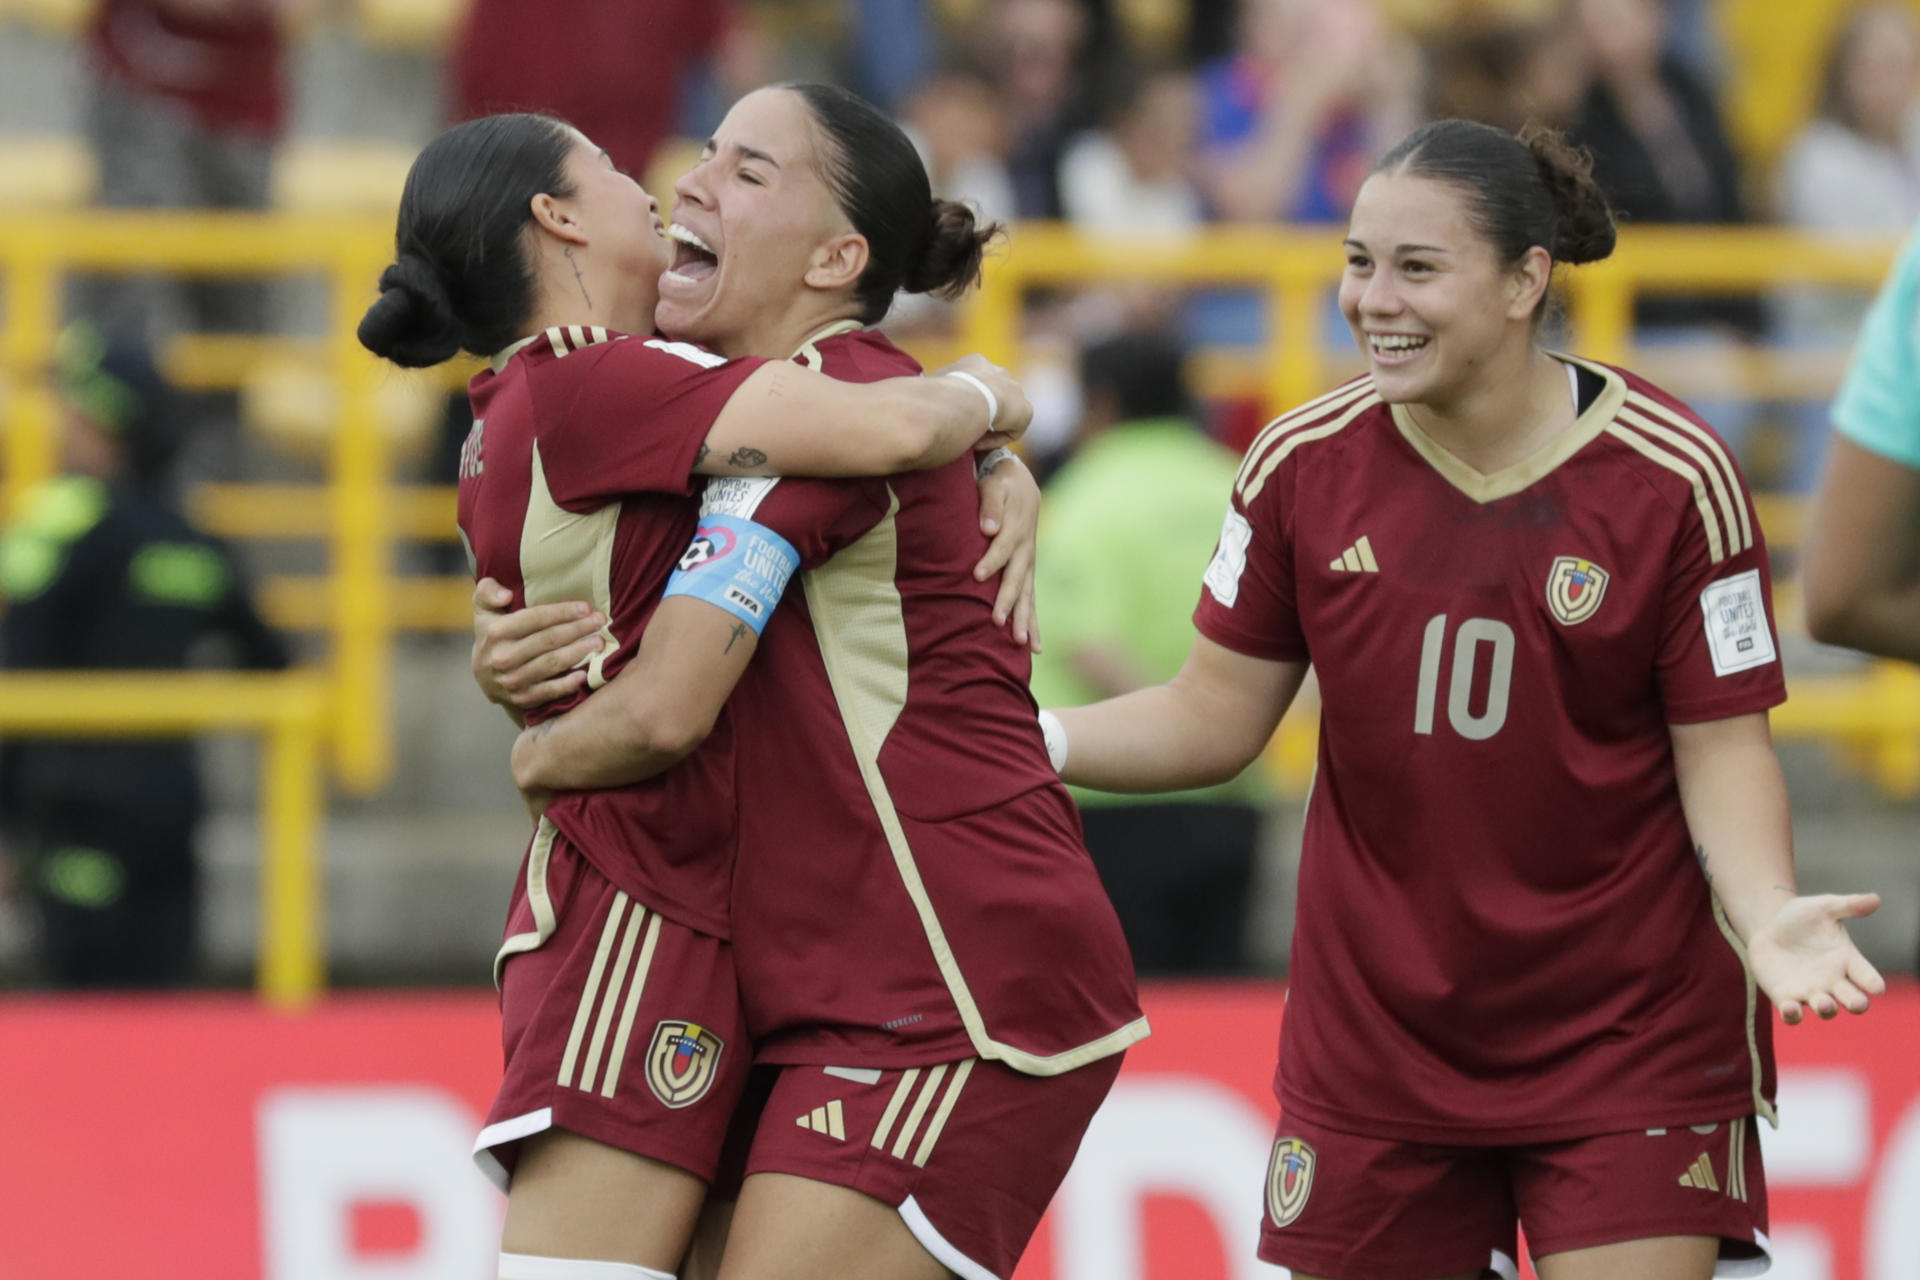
x=1202, y=727
x=786, y=420
x=1736, y=804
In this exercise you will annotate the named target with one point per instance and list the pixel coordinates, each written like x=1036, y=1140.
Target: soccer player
x=937, y=987
x=624, y=1054
x=1547, y=887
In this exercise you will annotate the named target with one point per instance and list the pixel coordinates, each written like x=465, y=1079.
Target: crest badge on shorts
x=1289, y=1180
x=1574, y=589
x=681, y=1062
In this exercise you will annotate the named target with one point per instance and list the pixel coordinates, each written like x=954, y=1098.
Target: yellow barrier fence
x=359, y=602
x=287, y=711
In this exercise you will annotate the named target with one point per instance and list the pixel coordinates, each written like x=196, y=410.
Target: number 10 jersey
x=1503, y=934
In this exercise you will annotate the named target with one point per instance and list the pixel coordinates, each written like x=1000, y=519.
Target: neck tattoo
x=578, y=278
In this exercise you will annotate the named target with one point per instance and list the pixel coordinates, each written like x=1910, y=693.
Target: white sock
x=524, y=1266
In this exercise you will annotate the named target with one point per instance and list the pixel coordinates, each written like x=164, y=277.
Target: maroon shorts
x=619, y=1024
x=1341, y=1206
x=970, y=1152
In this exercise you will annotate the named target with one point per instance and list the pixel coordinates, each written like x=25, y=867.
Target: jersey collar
x=498, y=361
x=807, y=354
x=1506, y=482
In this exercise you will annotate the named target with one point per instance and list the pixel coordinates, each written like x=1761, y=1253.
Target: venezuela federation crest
x=1574, y=589
x=1289, y=1180
x=681, y=1062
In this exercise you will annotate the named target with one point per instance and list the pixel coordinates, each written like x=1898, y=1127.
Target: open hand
x=1803, y=959
x=528, y=657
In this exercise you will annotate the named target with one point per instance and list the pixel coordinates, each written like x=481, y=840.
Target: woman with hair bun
x=1547, y=884
x=625, y=1050
x=936, y=987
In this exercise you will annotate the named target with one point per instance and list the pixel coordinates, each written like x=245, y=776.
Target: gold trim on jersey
x=560, y=339
x=1504, y=483
x=544, y=920
x=809, y=346
x=1290, y=438
x=1761, y=1107
x=1332, y=402
x=1716, y=544
x=568, y=556
x=1732, y=495
x=859, y=621
x=939, y=1122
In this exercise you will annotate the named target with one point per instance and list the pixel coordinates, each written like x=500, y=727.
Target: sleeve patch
x=1230, y=559
x=1738, y=636
x=736, y=495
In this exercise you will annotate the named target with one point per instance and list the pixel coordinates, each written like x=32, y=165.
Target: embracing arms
x=787, y=420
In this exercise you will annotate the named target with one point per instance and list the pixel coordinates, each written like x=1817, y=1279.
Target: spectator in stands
x=1050, y=74
x=1854, y=169
x=1856, y=166
x=960, y=129
x=615, y=69
x=102, y=572
x=1127, y=525
x=1291, y=124
x=1132, y=175
x=1508, y=73
x=1660, y=149
x=185, y=101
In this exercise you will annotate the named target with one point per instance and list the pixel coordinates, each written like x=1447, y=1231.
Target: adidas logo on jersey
x=1357, y=558
x=1700, y=1175
x=830, y=1120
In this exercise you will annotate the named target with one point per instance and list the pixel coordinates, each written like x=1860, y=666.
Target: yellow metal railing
x=287, y=711
x=359, y=602
x=36, y=252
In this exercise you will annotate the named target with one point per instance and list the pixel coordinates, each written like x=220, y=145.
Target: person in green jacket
x=1128, y=525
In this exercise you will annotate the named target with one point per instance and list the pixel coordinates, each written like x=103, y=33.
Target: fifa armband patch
x=1738, y=637
x=738, y=565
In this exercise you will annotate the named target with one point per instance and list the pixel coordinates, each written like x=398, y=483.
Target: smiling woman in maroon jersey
x=1547, y=886
x=933, y=977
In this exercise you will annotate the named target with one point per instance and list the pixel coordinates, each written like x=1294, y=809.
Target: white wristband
x=983, y=465
x=993, y=401
x=1055, y=734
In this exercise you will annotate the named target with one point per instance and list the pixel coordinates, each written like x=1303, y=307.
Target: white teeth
x=685, y=236
x=1395, y=342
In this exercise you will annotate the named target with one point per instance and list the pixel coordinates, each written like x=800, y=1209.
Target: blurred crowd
x=1152, y=117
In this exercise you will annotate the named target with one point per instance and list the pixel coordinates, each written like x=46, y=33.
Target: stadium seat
x=340, y=176
x=294, y=403
x=45, y=172
x=1775, y=53
x=419, y=25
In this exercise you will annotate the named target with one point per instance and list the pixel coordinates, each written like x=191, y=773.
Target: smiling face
x=754, y=223
x=622, y=228
x=1428, y=300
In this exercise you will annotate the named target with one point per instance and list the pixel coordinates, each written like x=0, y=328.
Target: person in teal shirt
x=1861, y=569
x=1126, y=531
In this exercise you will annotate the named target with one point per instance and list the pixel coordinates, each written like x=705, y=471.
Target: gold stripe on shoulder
x=1712, y=444
x=1251, y=487
x=1727, y=504
x=1332, y=402
x=1654, y=453
x=557, y=339
x=596, y=333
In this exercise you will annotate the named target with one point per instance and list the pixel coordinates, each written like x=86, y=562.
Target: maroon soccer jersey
x=573, y=486
x=1503, y=935
x=911, y=885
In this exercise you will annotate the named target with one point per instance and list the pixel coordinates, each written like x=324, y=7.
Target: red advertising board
x=205, y=1138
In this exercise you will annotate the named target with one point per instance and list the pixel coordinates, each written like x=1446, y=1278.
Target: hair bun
x=1586, y=230
x=949, y=262
x=412, y=322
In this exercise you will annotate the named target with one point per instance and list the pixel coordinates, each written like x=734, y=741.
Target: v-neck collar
x=1504, y=483
x=807, y=354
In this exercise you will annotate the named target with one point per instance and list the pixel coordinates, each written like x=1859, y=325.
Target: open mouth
x=1392, y=348
x=693, y=259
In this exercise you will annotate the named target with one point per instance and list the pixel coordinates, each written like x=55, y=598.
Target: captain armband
x=738, y=565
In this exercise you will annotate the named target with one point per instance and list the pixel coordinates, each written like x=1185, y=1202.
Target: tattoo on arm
x=739, y=629
x=701, y=456
x=744, y=457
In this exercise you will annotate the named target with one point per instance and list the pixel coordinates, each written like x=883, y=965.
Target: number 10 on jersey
x=1467, y=643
